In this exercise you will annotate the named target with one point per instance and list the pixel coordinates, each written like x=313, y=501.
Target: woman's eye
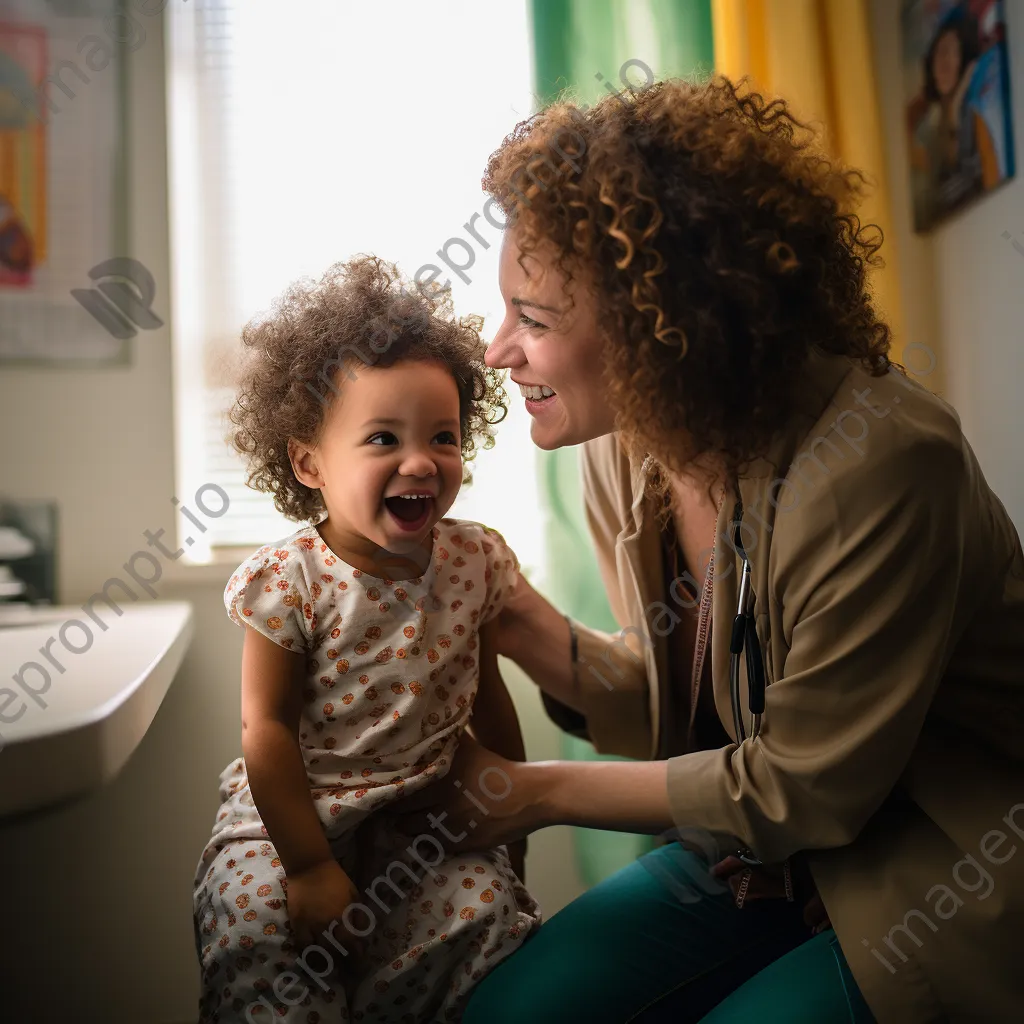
x=447, y=437
x=383, y=437
x=528, y=321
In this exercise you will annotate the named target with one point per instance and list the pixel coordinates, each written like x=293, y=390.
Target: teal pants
x=658, y=942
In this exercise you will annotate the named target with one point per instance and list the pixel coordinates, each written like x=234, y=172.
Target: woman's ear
x=304, y=465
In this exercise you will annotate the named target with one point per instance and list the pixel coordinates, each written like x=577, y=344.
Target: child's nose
x=418, y=462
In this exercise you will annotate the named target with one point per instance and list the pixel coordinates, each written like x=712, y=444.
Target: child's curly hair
x=722, y=248
x=360, y=312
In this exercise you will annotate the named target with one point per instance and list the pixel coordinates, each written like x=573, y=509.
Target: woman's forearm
x=538, y=642
x=620, y=796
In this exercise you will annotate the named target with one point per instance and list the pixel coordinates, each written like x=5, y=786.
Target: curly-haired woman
x=686, y=296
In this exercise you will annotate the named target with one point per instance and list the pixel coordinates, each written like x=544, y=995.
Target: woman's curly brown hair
x=722, y=248
x=300, y=354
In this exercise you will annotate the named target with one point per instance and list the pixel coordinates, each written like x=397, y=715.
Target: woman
x=686, y=296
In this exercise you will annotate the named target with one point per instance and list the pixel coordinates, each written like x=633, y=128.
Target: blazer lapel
x=640, y=562
x=823, y=376
x=724, y=596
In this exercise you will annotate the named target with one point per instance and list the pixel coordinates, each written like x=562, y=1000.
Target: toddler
x=367, y=648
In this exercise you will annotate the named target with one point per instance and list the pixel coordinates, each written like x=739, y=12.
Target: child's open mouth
x=410, y=512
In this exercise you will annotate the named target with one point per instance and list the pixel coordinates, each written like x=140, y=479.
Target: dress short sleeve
x=268, y=592
x=502, y=568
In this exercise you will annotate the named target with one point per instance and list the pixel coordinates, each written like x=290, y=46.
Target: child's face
x=390, y=432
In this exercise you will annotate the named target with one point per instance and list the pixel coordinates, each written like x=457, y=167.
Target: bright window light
x=300, y=139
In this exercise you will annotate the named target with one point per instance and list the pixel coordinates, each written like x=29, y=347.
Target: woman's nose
x=503, y=353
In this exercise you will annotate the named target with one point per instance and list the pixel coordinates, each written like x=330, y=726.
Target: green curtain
x=575, y=41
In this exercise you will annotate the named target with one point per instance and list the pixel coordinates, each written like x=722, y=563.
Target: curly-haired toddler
x=367, y=648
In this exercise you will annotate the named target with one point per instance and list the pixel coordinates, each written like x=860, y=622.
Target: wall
x=98, y=895
x=963, y=282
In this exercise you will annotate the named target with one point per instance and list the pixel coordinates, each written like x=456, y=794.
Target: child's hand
x=316, y=897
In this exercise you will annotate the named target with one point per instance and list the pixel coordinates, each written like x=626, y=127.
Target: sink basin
x=14, y=616
x=66, y=731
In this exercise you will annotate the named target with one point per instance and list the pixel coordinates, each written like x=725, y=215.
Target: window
x=298, y=140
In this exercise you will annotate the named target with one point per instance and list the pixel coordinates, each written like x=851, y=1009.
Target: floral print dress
x=391, y=675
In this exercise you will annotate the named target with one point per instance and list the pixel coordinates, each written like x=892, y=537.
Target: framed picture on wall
x=958, y=119
x=63, y=201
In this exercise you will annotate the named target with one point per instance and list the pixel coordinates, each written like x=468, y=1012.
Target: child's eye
x=447, y=437
x=382, y=437
x=528, y=321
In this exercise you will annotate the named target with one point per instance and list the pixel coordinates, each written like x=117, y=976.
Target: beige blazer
x=889, y=587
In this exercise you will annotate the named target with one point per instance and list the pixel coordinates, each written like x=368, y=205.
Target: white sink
x=78, y=731
x=15, y=615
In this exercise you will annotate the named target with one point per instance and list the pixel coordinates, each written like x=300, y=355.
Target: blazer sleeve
x=866, y=573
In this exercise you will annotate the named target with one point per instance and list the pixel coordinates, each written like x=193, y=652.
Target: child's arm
x=272, y=677
x=494, y=721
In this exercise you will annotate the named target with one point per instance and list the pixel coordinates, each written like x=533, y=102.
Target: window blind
x=299, y=135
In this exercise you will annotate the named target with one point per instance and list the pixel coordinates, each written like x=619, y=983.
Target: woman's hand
x=484, y=801
x=775, y=881
x=318, y=896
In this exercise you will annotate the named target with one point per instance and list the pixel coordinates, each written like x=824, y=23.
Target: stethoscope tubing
x=736, y=644
x=744, y=641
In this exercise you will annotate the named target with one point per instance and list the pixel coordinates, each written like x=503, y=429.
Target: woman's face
x=946, y=63
x=550, y=341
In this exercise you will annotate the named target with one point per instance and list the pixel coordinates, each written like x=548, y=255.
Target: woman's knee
x=548, y=979
x=517, y=991
x=648, y=930
x=593, y=960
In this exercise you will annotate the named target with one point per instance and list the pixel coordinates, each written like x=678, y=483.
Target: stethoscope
x=744, y=641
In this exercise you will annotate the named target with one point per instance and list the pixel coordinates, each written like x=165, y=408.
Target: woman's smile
x=539, y=398
x=535, y=392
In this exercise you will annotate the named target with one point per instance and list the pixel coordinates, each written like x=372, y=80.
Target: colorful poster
x=23, y=171
x=63, y=202
x=957, y=85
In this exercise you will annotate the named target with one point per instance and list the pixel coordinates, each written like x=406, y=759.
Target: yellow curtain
x=817, y=55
